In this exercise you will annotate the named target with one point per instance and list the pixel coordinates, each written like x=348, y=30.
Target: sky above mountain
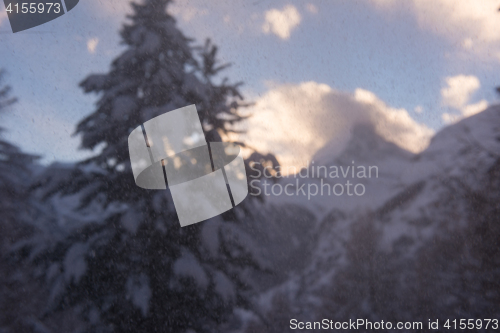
x=313, y=68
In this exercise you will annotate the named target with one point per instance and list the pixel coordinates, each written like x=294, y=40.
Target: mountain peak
x=364, y=145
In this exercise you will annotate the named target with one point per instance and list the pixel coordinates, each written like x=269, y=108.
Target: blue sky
x=417, y=65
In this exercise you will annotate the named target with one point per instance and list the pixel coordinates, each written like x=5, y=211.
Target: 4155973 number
x=34, y=7
x=471, y=324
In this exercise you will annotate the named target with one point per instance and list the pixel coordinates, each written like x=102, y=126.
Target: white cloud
x=395, y=125
x=472, y=109
x=92, y=44
x=419, y=109
x=281, y=23
x=457, y=94
x=3, y=16
x=465, y=112
x=459, y=90
x=464, y=17
x=295, y=121
x=311, y=8
x=467, y=43
x=474, y=25
x=450, y=117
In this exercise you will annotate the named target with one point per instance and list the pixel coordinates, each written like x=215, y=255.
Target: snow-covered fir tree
x=14, y=173
x=120, y=258
x=18, y=290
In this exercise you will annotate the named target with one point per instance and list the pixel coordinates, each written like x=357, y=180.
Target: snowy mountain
x=365, y=149
x=422, y=243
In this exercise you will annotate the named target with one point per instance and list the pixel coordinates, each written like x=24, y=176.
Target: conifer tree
x=14, y=167
x=130, y=267
x=17, y=289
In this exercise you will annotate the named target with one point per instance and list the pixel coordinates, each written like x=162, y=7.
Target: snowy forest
x=83, y=249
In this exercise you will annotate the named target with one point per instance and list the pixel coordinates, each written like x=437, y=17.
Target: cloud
x=92, y=44
x=311, y=8
x=457, y=94
x=281, y=23
x=467, y=43
x=419, y=109
x=460, y=17
x=474, y=25
x=3, y=16
x=459, y=90
x=465, y=112
x=295, y=121
x=472, y=109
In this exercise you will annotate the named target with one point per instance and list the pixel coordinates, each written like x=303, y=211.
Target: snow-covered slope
x=364, y=150
x=422, y=242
